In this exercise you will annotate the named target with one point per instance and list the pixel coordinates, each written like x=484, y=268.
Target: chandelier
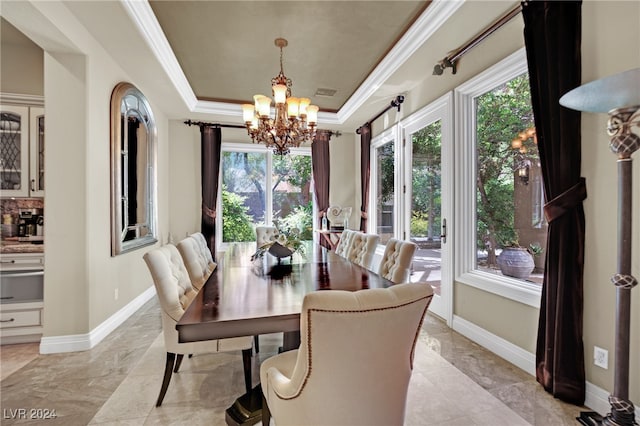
x=295, y=119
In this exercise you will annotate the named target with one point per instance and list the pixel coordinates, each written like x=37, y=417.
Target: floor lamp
x=619, y=96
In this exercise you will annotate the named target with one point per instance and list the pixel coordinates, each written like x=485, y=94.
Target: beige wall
x=80, y=272
x=184, y=180
x=344, y=176
x=21, y=63
x=608, y=28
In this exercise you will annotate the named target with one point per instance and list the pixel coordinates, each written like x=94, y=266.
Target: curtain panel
x=365, y=172
x=210, y=148
x=552, y=33
x=321, y=167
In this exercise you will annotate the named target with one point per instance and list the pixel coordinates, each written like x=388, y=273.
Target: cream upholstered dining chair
x=362, y=247
x=342, y=249
x=200, y=265
x=174, y=291
x=265, y=234
x=197, y=259
x=396, y=260
x=354, y=362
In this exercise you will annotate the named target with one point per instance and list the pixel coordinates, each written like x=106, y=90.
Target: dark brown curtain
x=321, y=167
x=211, y=145
x=552, y=33
x=365, y=171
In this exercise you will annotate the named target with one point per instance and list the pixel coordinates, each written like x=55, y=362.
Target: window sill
x=509, y=288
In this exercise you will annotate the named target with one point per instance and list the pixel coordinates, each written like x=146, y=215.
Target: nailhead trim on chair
x=309, y=347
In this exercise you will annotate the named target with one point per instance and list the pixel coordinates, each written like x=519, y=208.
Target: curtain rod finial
x=439, y=67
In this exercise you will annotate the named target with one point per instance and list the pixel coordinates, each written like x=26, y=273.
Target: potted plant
x=536, y=250
x=515, y=261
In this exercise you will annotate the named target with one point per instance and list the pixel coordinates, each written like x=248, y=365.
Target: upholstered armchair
x=396, y=260
x=362, y=247
x=342, y=249
x=197, y=259
x=354, y=362
x=265, y=235
x=175, y=293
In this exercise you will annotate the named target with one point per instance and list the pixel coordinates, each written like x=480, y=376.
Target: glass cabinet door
x=14, y=151
x=36, y=151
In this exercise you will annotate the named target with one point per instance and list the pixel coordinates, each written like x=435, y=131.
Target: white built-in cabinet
x=21, y=297
x=22, y=151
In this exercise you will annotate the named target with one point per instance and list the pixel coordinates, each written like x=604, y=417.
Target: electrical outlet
x=601, y=357
x=115, y=294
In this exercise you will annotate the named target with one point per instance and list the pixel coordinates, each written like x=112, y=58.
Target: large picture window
x=500, y=247
x=260, y=188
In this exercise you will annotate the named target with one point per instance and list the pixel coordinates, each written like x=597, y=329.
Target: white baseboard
x=83, y=342
x=503, y=348
x=596, y=398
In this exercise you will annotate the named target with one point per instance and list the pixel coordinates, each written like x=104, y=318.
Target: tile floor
x=455, y=382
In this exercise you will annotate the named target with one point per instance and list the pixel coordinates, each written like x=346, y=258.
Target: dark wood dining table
x=245, y=297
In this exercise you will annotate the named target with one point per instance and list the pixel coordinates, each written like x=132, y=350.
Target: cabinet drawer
x=12, y=319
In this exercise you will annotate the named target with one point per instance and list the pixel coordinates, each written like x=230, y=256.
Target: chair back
x=396, y=260
x=356, y=356
x=265, y=234
x=362, y=247
x=342, y=249
x=173, y=288
x=197, y=259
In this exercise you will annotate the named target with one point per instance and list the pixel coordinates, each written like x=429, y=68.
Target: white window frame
x=465, y=185
x=255, y=148
x=391, y=134
x=439, y=110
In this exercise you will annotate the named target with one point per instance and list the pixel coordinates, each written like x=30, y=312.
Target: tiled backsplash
x=11, y=206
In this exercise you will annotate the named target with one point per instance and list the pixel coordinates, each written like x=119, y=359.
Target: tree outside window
x=245, y=181
x=426, y=177
x=508, y=177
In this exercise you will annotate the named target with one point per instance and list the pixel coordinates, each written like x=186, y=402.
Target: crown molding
x=438, y=12
x=21, y=99
x=147, y=24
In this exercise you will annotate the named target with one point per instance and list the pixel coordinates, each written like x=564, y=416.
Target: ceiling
x=200, y=60
x=226, y=48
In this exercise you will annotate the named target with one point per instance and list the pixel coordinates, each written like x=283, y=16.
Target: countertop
x=20, y=247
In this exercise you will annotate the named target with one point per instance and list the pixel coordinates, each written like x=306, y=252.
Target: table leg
x=247, y=409
x=290, y=340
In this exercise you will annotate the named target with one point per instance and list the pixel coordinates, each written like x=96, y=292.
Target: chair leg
x=168, y=370
x=256, y=343
x=246, y=362
x=178, y=362
x=266, y=414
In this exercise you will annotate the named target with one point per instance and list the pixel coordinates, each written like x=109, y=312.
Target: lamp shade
x=312, y=114
x=247, y=112
x=280, y=93
x=304, y=103
x=264, y=106
x=613, y=92
x=292, y=107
